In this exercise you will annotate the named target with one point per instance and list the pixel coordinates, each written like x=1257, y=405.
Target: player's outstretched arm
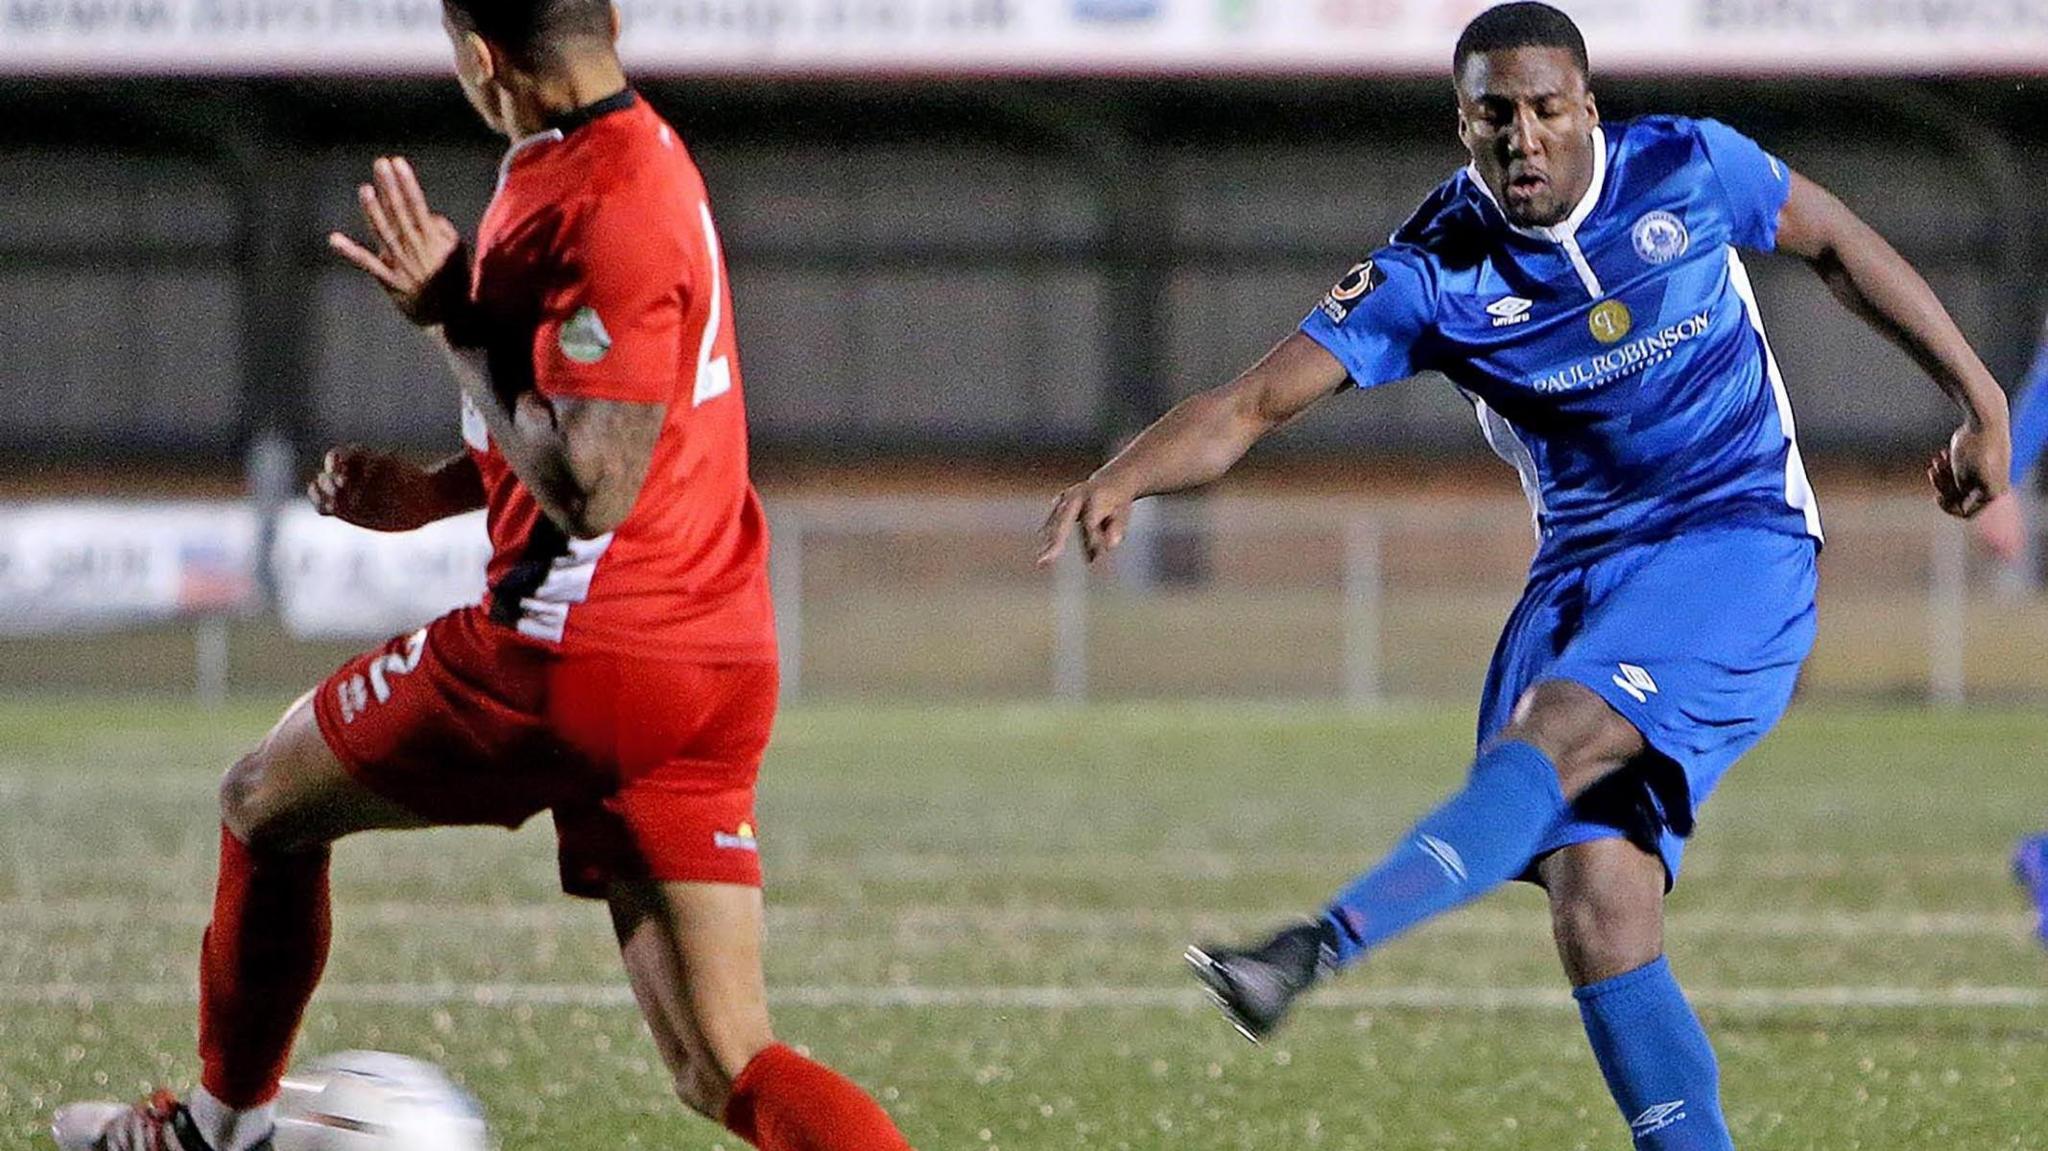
x=1193, y=444
x=384, y=493
x=1876, y=283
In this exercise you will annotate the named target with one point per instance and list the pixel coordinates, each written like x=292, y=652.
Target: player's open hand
x=1972, y=471
x=371, y=490
x=417, y=257
x=1102, y=513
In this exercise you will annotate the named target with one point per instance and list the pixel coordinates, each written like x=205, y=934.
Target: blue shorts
x=1696, y=640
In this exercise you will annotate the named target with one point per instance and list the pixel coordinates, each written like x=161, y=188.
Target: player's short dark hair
x=1525, y=24
x=532, y=30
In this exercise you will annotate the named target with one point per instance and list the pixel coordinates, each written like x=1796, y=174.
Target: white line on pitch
x=496, y=995
x=566, y=914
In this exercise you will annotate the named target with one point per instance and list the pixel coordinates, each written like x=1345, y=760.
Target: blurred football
x=376, y=1101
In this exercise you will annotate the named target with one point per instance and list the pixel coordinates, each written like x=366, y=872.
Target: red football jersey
x=599, y=276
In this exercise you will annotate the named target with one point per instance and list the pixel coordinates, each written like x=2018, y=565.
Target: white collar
x=1567, y=228
x=545, y=136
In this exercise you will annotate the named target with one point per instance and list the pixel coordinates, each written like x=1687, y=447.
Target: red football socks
x=258, y=965
x=785, y=1102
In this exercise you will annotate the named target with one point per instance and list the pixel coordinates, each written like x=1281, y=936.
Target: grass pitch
x=978, y=913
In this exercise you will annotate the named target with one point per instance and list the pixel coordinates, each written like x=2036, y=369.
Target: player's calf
x=1606, y=908
x=693, y=955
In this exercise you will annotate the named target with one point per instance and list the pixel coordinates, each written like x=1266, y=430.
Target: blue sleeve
x=1754, y=183
x=1376, y=316
x=2030, y=418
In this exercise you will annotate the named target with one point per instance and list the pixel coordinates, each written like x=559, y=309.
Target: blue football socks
x=2030, y=867
x=1479, y=839
x=1657, y=1060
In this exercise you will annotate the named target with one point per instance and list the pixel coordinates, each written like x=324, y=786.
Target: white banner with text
x=335, y=581
x=1038, y=37
x=83, y=565
x=70, y=566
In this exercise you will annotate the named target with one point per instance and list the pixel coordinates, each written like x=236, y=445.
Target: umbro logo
x=1636, y=682
x=1509, y=311
x=1657, y=1118
x=1446, y=857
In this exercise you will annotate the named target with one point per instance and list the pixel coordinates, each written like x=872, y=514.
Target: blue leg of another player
x=2030, y=867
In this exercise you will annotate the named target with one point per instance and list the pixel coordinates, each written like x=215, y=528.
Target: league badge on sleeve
x=1356, y=285
x=1660, y=238
x=583, y=339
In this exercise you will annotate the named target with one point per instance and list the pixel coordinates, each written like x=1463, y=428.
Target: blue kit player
x=2002, y=529
x=1581, y=284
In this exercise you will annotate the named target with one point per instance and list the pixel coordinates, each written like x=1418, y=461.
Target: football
x=376, y=1101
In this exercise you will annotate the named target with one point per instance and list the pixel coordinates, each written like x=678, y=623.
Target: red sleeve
x=612, y=328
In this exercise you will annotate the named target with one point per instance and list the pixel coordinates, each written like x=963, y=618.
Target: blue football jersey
x=1616, y=359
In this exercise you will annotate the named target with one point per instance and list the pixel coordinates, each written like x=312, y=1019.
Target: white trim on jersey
x=1565, y=233
x=545, y=613
x=1587, y=279
x=521, y=145
x=1507, y=444
x=1798, y=490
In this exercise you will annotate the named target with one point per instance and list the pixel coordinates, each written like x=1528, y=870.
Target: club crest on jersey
x=1660, y=238
x=583, y=338
x=1356, y=285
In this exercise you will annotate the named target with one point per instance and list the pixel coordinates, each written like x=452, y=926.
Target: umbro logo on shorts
x=1636, y=682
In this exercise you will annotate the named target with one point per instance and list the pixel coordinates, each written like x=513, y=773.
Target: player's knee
x=1604, y=930
x=1584, y=737
x=250, y=806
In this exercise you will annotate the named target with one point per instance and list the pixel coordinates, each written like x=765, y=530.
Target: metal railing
x=1363, y=601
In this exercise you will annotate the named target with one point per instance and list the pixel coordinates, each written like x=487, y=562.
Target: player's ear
x=615, y=24
x=473, y=59
x=489, y=64
x=1592, y=108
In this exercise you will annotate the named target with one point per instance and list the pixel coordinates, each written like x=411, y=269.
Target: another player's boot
x=1256, y=985
x=2030, y=867
x=158, y=1123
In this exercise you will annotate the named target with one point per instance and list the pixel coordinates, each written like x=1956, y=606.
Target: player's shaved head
x=533, y=30
x=1524, y=24
x=1526, y=111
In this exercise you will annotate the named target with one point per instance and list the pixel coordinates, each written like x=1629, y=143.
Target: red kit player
x=621, y=671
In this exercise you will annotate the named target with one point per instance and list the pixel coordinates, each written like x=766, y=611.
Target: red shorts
x=647, y=764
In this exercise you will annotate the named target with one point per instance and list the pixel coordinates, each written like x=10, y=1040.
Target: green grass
x=968, y=849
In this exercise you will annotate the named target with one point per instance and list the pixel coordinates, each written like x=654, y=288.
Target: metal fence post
x=786, y=587
x=1070, y=628
x=210, y=661
x=1362, y=606
x=1947, y=614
